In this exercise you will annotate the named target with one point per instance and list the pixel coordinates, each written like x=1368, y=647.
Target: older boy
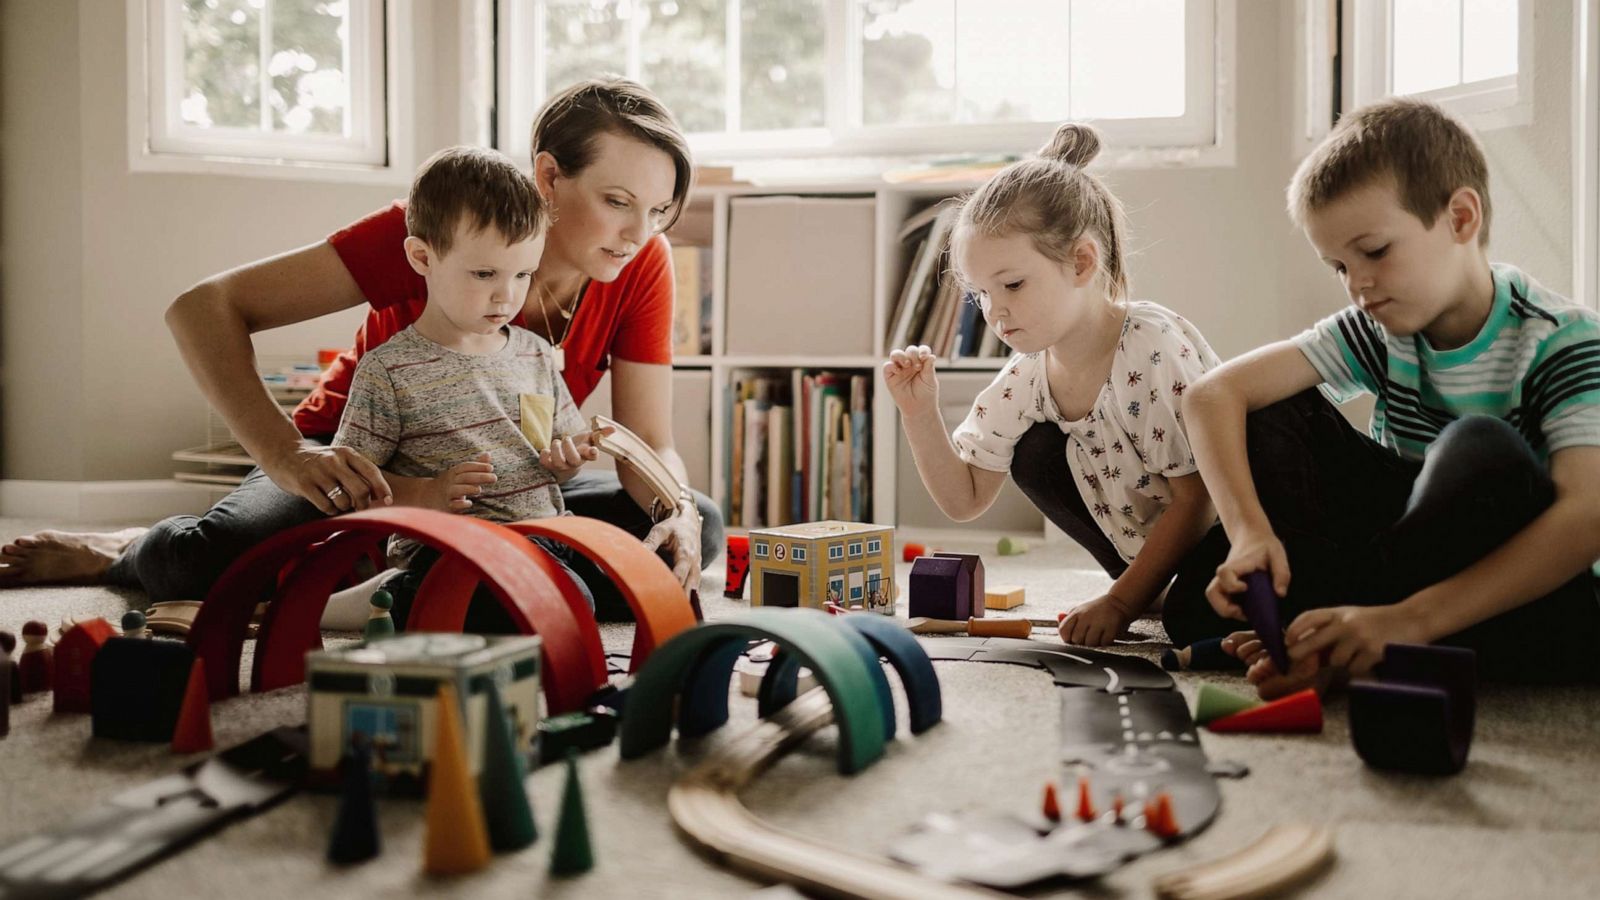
x=1472, y=515
x=463, y=396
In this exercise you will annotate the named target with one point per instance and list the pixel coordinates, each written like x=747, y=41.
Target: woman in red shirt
x=615, y=168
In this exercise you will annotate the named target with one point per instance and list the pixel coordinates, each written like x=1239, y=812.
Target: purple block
x=971, y=573
x=1417, y=712
x=938, y=590
x=1260, y=604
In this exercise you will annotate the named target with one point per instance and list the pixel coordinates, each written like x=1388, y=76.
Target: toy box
x=849, y=563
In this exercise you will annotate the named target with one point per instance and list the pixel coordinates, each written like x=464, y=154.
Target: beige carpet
x=1523, y=820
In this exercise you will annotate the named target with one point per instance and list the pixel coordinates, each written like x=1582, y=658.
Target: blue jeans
x=181, y=557
x=1362, y=526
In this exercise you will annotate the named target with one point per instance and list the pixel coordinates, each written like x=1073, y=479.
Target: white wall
x=91, y=254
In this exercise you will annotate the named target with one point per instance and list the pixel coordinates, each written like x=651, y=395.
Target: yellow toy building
x=850, y=563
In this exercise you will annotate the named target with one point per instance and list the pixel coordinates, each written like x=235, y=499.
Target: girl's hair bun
x=1074, y=144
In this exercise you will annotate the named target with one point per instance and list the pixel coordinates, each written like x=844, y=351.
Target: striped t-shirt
x=1535, y=364
x=417, y=408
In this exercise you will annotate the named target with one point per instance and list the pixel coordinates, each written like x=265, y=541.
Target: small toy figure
x=572, y=854
x=134, y=624
x=192, y=734
x=5, y=682
x=501, y=788
x=379, y=623
x=355, y=829
x=738, y=566
x=457, y=842
x=8, y=644
x=37, y=664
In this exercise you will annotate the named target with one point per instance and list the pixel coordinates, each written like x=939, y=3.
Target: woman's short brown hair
x=571, y=120
x=1429, y=154
x=474, y=184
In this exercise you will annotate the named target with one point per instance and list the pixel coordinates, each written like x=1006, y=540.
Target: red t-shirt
x=629, y=318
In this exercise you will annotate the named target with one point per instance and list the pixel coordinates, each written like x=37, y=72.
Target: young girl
x=1085, y=416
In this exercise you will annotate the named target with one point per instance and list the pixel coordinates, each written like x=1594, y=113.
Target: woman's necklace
x=566, y=318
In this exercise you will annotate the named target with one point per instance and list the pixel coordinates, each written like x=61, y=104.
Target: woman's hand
x=681, y=534
x=912, y=383
x=452, y=489
x=334, y=479
x=1252, y=552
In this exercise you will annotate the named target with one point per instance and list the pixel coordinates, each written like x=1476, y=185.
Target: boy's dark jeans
x=1364, y=527
x=485, y=613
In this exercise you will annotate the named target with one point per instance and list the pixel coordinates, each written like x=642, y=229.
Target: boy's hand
x=1351, y=637
x=452, y=489
x=1251, y=553
x=1098, y=622
x=909, y=374
x=566, y=455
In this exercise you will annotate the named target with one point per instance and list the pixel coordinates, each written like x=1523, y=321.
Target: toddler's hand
x=1096, y=623
x=452, y=489
x=566, y=455
x=1251, y=553
x=909, y=374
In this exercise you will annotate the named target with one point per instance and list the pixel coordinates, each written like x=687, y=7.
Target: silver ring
x=333, y=493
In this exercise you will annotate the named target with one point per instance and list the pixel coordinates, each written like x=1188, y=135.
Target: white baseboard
x=104, y=501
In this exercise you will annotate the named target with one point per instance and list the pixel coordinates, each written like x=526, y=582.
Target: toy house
x=849, y=563
x=388, y=691
x=74, y=654
x=972, y=574
x=937, y=589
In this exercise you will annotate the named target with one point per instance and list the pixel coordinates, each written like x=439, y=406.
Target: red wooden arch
x=515, y=570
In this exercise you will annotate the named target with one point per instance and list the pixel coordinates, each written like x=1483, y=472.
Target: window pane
x=781, y=64
x=310, y=90
x=908, y=62
x=685, y=47
x=1127, y=59
x=1426, y=45
x=1011, y=60
x=221, y=53
x=584, y=40
x=1489, y=39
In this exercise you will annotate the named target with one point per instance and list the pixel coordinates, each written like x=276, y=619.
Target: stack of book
x=933, y=308
x=798, y=448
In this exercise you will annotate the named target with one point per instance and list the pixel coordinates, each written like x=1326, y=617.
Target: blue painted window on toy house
x=391, y=727
x=760, y=549
x=799, y=554
x=835, y=551
x=855, y=549
x=874, y=546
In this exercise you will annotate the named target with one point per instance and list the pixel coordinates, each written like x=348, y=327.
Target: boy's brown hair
x=569, y=122
x=1429, y=154
x=478, y=185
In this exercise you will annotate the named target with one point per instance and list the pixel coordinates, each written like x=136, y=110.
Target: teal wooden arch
x=844, y=664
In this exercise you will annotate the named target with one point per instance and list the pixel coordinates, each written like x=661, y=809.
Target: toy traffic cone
x=501, y=787
x=1085, y=803
x=193, y=731
x=1215, y=703
x=355, y=829
x=1299, y=712
x=456, y=842
x=1052, y=806
x=1159, y=818
x=572, y=854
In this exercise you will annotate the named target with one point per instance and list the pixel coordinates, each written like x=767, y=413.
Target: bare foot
x=63, y=557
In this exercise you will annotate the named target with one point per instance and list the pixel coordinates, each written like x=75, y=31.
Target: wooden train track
x=705, y=806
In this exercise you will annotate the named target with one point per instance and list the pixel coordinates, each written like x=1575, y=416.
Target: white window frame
x=1586, y=154
x=799, y=554
x=835, y=552
x=382, y=93
x=1491, y=103
x=1202, y=136
x=758, y=549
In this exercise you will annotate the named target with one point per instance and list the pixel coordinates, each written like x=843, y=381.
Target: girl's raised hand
x=909, y=374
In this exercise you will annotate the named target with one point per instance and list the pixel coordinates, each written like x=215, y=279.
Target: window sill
x=281, y=169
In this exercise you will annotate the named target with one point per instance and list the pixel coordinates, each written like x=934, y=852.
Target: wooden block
x=1003, y=597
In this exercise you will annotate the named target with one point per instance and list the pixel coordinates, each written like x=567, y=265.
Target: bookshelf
x=848, y=230
x=221, y=463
